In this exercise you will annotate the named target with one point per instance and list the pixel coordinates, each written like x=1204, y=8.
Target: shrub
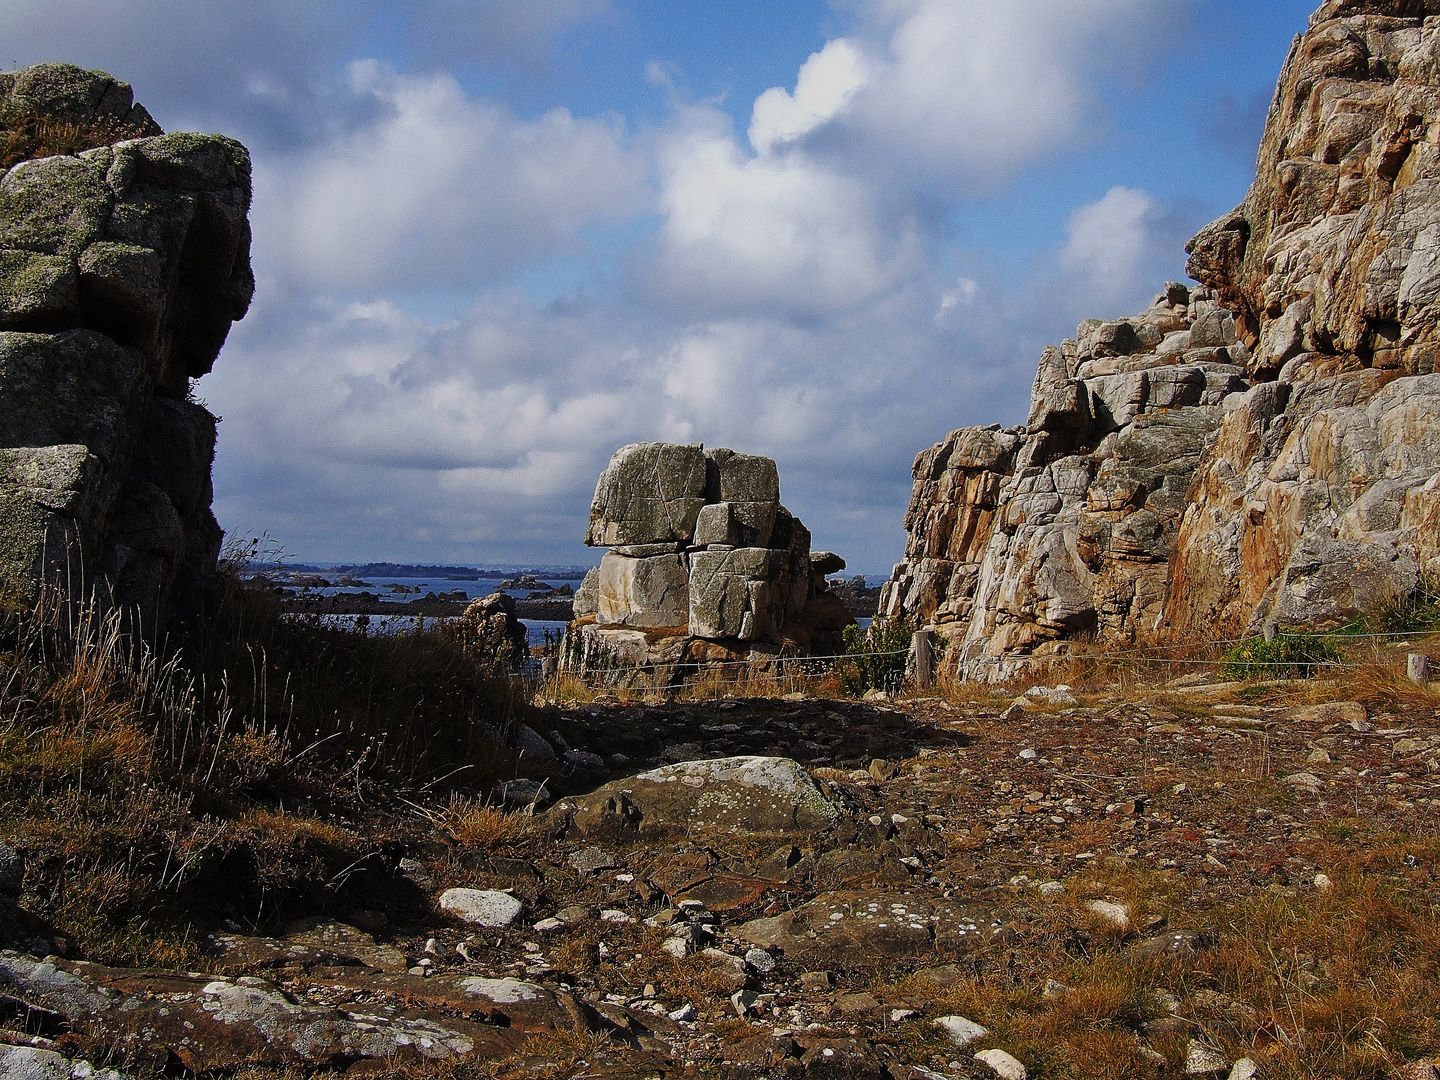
x=1289, y=656
x=875, y=657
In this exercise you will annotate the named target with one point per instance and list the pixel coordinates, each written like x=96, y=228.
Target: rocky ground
x=1160, y=885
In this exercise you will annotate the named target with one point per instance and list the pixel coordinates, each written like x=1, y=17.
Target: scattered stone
x=1323, y=883
x=1245, y=1069
x=742, y=1001
x=760, y=960
x=590, y=860
x=683, y=1013
x=883, y=770
x=1052, y=890
x=960, y=1030
x=1304, y=780
x=32, y=1063
x=1029, y=755
x=1175, y=943
x=678, y=947
x=1116, y=915
x=549, y=926
x=613, y=915
x=481, y=907
x=1054, y=991
x=746, y=796
x=815, y=982
x=1203, y=1060
x=1002, y=1064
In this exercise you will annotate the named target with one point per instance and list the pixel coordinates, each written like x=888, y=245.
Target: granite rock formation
x=122, y=267
x=1262, y=451
x=705, y=565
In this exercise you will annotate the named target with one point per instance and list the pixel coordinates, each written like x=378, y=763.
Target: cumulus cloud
x=790, y=288
x=780, y=232
x=1116, y=247
x=827, y=82
x=961, y=91
x=440, y=187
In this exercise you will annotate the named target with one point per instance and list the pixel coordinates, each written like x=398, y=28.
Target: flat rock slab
x=31, y=1063
x=155, y=1018
x=846, y=929
x=748, y=796
x=481, y=907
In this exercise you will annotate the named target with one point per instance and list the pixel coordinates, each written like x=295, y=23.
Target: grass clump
x=1288, y=656
x=33, y=136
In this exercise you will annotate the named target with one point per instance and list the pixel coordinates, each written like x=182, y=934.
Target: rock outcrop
x=122, y=266
x=1025, y=537
x=1262, y=450
x=705, y=565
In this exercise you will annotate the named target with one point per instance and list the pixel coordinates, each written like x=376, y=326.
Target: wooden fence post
x=1418, y=668
x=924, y=643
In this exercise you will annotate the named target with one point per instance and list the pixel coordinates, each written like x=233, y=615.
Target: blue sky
x=496, y=239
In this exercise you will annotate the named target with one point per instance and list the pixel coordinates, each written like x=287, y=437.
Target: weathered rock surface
x=748, y=796
x=121, y=270
x=1259, y=451
x=706, y=566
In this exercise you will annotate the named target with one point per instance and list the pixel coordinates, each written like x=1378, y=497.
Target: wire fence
x=776, y=675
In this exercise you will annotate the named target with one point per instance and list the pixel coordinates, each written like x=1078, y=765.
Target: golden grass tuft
x=481, y=827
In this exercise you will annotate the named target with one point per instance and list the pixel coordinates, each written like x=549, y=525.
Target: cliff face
x=124, y=258
x=1264, y=449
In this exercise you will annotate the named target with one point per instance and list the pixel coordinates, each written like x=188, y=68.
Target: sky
x=494, y=240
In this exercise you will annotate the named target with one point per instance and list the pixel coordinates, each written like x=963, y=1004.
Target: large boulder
x=743, y=796
x=706, y=567
x=650, y=493
x=122, y=266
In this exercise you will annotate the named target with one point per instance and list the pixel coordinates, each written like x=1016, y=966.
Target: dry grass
x=481, y=827
x=26, y=138
x=150, y=789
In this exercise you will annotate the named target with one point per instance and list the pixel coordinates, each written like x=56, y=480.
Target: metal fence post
x=924, y=644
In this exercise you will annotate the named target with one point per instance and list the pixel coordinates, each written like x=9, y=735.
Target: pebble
x=1245, y=1069
x=815, y=982
x=611, y=915
x=678, y=947
x=548, y=926
x=1052, y=890
x=742, y=1001
x=1029, y=754
x=961, y=1030
x=1002, y=1064
x=1202, y=1060
x=760, y=960
x=1323, y=883
x=684, y=1012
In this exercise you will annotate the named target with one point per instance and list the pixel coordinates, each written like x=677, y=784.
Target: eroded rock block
x=650, y=493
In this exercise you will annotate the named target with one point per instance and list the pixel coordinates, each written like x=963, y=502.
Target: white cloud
x=961, y=91
x=1113, y=246
x=774, y=233
x=827, y=82
x=440, y=188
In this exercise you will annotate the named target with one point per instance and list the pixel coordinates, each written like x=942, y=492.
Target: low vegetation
x=28, y=137
x=236, y=773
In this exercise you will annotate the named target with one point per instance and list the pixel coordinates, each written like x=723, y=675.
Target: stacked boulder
x=1262, y=454
x=705, y=565
x=1020, y=538
x=122, y=267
